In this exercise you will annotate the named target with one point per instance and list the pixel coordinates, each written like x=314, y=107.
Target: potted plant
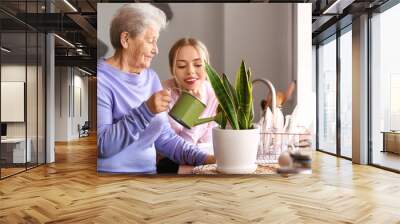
x=236, y=139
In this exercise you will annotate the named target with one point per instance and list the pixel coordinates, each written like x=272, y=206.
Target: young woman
x=187, y=65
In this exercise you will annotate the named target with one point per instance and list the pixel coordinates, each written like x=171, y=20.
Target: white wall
x=263, y=38
x=81, y=114
x=61, y=103
x=68, y=82
x=105, y=11
x=201, y=21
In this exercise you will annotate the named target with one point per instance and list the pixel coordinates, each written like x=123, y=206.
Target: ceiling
x=76, y=22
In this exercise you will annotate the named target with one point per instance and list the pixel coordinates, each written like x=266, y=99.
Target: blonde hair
x=198, y=45
x=134, y=18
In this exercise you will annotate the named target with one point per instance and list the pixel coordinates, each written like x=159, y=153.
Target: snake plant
x=235, y=102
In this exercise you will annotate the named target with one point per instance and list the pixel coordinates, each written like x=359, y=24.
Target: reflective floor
x=387, y=159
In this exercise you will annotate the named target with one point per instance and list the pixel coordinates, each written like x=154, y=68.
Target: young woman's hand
x=159, y=101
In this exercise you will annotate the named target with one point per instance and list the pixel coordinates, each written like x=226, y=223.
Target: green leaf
x=245, y=97
x=251, y=106
x=239, y=77
x=222, y=95
x=231, y=91
x=222, y=120
x=241, y=116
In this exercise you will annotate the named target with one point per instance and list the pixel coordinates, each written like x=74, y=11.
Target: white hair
x=134, y=18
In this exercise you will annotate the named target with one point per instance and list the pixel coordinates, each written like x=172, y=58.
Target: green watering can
x=188, y=109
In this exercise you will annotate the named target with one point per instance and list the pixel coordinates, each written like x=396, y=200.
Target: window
x=327, y=96
x=346, y=93
x=385, y=88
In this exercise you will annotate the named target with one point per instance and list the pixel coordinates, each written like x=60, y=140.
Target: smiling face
x=189, y=71
x=142, y=48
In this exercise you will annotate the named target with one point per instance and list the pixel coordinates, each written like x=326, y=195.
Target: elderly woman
x=131, y=104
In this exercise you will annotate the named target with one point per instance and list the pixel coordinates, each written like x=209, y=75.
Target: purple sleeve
x=177, y=149
x=113, y=137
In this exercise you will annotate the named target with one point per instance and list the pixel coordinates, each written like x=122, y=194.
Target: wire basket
x=272, y=144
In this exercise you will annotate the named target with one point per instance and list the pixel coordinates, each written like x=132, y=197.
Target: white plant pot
x=236, y=150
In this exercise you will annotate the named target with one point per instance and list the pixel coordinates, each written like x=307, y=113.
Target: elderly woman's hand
x=159, y=101
x=210, y=159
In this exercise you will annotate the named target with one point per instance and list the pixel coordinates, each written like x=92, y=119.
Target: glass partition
x=31, y=99
x=22, y=77
x=13, y=108
x=33, y=64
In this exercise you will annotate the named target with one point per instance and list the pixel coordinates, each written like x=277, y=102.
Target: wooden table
x=267, y=167
x=211, y=169
x=391, y=141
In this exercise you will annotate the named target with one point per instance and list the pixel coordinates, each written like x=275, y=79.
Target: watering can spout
x=208, y=119
x=204, y=120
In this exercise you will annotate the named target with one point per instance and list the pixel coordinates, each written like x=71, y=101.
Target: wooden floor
x=10, y=171
x=70, y=191
x=387, y=159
